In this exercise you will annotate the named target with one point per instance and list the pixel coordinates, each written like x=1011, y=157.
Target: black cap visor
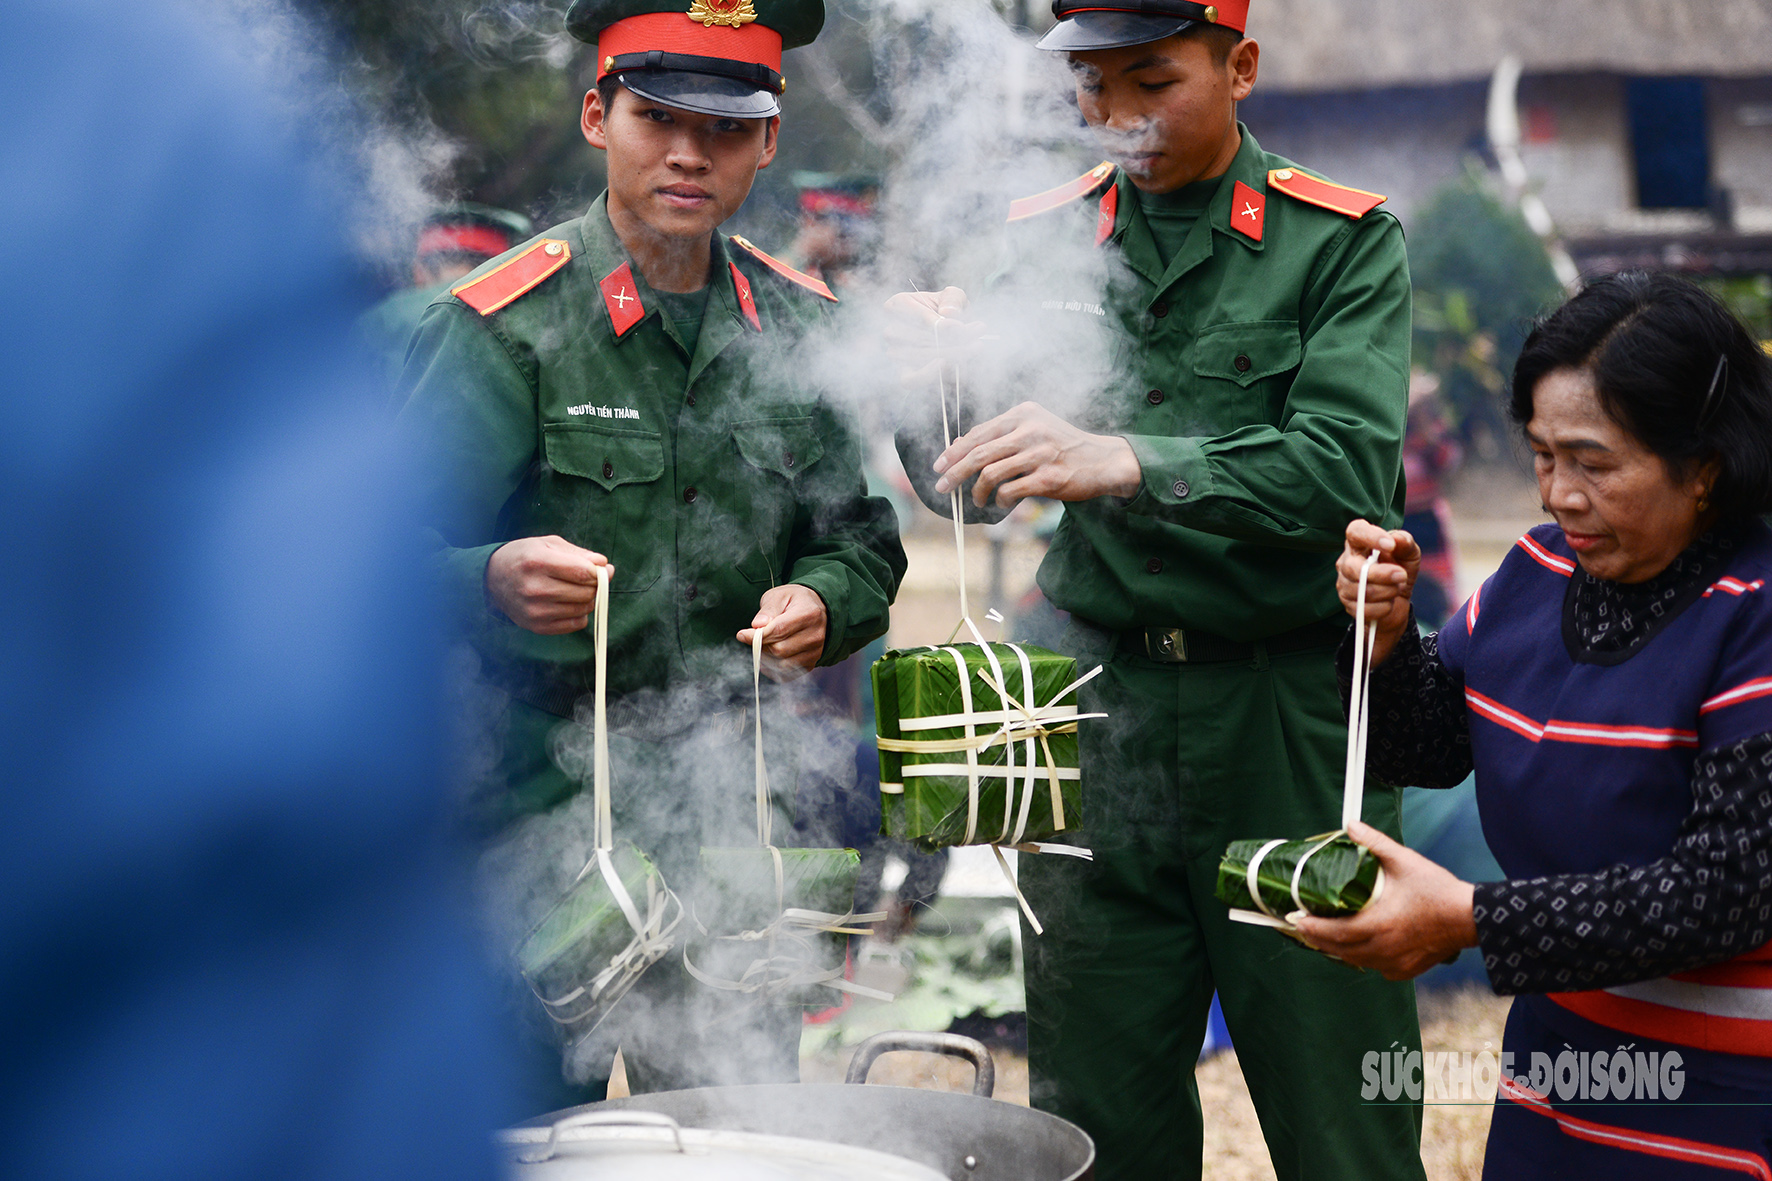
x=1109, y=30
x=705, y=94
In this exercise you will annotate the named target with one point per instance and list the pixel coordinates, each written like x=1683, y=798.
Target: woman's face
x=1620, y=507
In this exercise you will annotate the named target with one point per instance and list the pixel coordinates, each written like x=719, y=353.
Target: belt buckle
x=1168, y=644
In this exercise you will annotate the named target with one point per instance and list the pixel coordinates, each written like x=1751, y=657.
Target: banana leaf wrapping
x=750, y=937
x=925, y=795
x=1339, y=878
x=584, y=955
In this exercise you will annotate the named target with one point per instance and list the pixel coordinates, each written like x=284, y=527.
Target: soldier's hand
x=794, y=620
x=1423, y=918
x=1389, y=585
x=545, y=585
x=1030, y=451
x=924, y=329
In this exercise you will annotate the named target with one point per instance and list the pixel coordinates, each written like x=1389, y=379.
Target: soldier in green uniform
x=620, y=391
x=453, y=241
x=1253, y=326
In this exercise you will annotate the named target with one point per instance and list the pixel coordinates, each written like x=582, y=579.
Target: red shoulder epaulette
x=784, y=270
x=1064, y=194
x=514, y=276
x=1325, y=194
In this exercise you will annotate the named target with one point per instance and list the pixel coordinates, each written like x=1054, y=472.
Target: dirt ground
x=1452, y=1135
x=1458, y=1020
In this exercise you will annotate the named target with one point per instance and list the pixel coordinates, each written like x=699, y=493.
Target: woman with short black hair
x=1611, y=686
x=1648, y=339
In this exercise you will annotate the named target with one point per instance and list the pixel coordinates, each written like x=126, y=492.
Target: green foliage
x=1480, y=276
x=1748, y=296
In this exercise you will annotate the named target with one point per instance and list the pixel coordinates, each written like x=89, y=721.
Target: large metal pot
x=961, y=1137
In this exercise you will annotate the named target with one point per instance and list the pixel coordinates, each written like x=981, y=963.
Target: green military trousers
x=1192, y=757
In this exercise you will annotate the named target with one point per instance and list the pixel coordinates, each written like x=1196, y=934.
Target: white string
x=990, y=657
x=790, y=959
x=652, y=933
x=1298, y=870
x=954, y=502
x=1365, y=638
x=603, y=824
x=1251, y=877
x=764, y=812
x=971, y=751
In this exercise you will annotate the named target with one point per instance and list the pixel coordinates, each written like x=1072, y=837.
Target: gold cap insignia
x=734, y=14
x=1211, y=14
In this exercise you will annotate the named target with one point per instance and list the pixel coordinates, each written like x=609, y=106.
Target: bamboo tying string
x=1353, y=784
x=1012, y=831
x=780, y=970
x=652, y=934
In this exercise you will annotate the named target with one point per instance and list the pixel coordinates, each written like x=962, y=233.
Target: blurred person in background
x=234, y=941
x=1431, y=453
x=1258, y=318
x=1611, y=687
x=837, y=232
x=452, y=241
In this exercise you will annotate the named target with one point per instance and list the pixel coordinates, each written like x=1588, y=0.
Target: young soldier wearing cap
x=1261, y=316
x=618, y=392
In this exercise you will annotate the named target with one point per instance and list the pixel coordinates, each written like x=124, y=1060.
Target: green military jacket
x=385, y=329
x=1261, y=381
x=706, y=469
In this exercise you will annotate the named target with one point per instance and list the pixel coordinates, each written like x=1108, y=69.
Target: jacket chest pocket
x=603, y=490
x=1242, y=371
x=778, y=454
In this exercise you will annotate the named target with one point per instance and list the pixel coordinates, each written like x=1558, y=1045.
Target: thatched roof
x=1342, y=45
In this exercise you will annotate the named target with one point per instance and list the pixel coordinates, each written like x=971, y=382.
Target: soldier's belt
x=1175, y=645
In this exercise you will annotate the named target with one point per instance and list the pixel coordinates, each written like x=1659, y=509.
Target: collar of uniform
x=602, y=252
x=1250, y=167
x=718, y=331
x=1139, y=246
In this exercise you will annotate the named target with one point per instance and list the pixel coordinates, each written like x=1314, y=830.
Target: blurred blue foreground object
x=233, y=927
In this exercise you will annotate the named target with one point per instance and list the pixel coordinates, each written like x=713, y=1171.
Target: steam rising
x=974, y=117
x=970, y=116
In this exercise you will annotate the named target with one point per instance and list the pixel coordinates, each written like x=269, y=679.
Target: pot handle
x=984, y=1079
x=630, y=1119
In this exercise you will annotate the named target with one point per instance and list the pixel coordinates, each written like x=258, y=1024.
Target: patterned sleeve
x=1420, y=734
x=1708, y=900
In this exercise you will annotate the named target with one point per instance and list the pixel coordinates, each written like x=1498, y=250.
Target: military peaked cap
x=715, y=57
x=1105, y=24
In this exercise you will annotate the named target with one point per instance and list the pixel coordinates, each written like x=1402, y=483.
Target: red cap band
x=674, y=32
x=479, y=240
x=825, y=201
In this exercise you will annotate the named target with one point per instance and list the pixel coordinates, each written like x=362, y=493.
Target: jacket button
x=690, y=593
x=1180, y=489
x=1155, y=565
x=692, y=399
x=1243, y=363
x=787, y=459
x=1160, y=308
x=608, y=469
x=1155, y=397
x=689, y=495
